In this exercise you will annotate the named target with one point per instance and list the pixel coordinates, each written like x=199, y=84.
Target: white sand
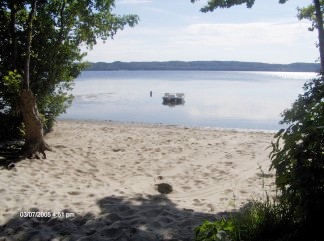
x=105, y=173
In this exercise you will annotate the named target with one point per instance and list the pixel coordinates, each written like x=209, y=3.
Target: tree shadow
x=139, y=218
x=11, y=153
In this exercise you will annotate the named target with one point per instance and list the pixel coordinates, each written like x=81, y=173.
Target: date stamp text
x=47, y=214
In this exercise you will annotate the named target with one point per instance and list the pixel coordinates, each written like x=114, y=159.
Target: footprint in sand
x=186, y=188
x=59, y=146
x=228, y=191
x=118, y=150
x=222, y=172
x=77, y=203
x=210, y=207
x=197, y=203
x=242, y=152
x=198, y=182
x=73, y=193
x=228, y=156
x=90, y=163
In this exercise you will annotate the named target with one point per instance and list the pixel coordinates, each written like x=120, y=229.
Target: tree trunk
x=13, y=16
x=29, y=34
x=34, y=137
x=319, y=19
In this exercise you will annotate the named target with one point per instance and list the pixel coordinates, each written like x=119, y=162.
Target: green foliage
x=256, y=221
x=10, y=88
x=298, y=156
x=12, y=82
x=303, y=13
x=9, y=118
x=214, y=4
x=217, y=230
x=309, y=14
x=59, y=29
x=53, y=105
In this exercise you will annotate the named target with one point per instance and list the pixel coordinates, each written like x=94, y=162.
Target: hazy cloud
x=259, y=41
x=134, y=1
x=234, y=35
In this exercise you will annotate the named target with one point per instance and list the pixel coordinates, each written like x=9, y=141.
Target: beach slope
x=101, y=182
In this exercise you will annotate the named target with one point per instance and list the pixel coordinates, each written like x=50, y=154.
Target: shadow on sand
x=150, y=218
x=10, y=153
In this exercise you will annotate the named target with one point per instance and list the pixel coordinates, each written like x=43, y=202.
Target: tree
x=313, y=12
x=214, y=4
x=298, y=158
x=40, y=49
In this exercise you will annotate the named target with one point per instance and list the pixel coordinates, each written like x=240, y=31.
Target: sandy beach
x=100, y=182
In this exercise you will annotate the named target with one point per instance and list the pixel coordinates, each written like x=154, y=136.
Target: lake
x=217, y=99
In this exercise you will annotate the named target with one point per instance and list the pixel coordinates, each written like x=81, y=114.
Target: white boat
x=177, y=98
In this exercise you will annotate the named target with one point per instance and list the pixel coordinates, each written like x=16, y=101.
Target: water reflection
x=173, y=104
x=252, y=100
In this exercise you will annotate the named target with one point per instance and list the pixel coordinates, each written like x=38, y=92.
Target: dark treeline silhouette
x=204, y=66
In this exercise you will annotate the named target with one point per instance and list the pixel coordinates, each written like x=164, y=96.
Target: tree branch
x=29, y=41
x=319, y=20
x=13, y=15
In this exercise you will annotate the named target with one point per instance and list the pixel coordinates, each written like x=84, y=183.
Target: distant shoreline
x=202, y=66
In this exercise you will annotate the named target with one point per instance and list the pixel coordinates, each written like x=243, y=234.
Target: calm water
x=245, y=100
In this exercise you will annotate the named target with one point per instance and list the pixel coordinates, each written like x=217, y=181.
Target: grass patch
x=255, y=221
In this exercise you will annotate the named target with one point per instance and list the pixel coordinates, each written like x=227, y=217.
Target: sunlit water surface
x=243, y=100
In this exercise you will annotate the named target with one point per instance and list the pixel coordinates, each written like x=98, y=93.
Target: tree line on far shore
x=203, y=66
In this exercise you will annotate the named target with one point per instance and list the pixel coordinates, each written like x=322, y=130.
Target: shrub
x=298, y=158
x=256, y=221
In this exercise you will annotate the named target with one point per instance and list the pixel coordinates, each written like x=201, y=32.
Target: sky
x=176, y=30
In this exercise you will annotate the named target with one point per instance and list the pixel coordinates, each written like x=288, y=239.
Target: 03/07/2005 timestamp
x=46, y=215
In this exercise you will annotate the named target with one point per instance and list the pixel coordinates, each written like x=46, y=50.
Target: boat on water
x=170, y=98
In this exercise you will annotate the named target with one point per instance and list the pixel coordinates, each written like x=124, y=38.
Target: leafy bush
x=9, y=117
x=217, y=230
x=298, y=157
x=256, y=221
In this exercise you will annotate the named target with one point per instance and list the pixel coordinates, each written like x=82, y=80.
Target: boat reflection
x=172, y=105
x=173, y=100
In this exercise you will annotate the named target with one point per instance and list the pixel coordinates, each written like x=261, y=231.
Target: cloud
x=273, y=42
x=134, y=1
x=246, y=34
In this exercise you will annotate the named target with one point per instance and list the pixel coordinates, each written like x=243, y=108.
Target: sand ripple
x=105, y=174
